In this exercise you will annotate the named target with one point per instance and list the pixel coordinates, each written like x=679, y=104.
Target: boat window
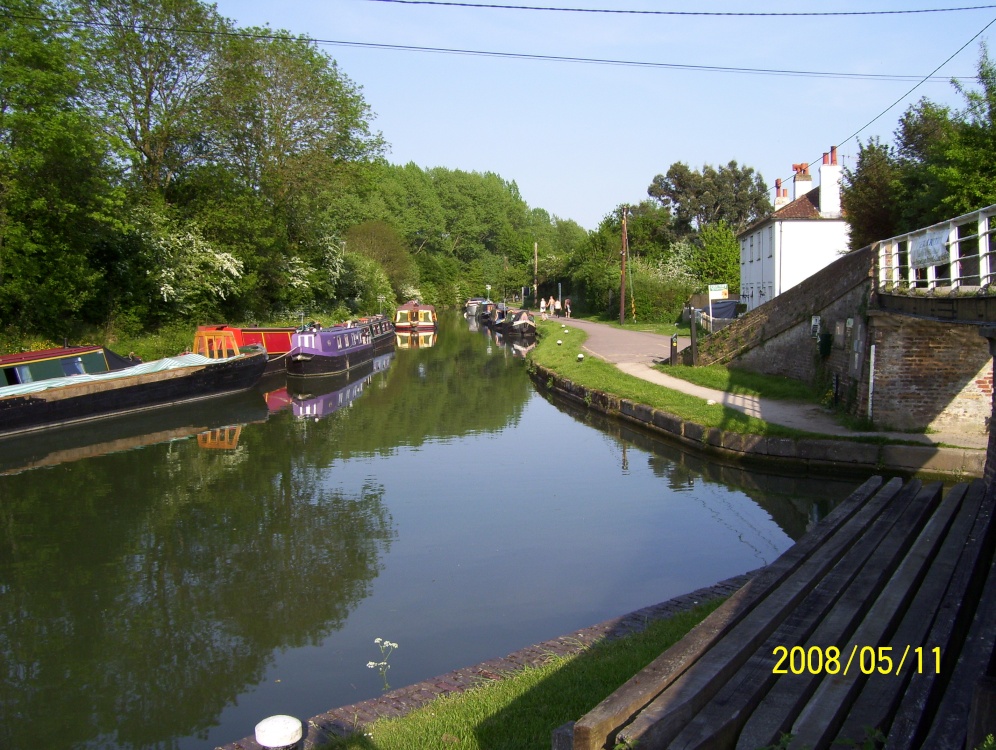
x=24, y=374
x=73, y=366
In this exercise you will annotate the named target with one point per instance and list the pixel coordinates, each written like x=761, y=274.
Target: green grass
x=664, y=329
x=744, y=382
x=522, y=710
x=599, y=375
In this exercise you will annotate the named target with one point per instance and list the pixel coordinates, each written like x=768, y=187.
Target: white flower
x=371, y=665
x=378, y=640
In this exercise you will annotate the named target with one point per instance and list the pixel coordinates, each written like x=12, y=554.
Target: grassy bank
x=743, y=382
x=594, y=373
x=522, y=710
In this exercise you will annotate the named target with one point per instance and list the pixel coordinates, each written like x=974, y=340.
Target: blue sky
x=579, y=139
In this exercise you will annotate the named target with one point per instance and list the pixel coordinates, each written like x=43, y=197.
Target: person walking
x=549, y=306
x=557, y=307
x=543, y=308
x=567, y=307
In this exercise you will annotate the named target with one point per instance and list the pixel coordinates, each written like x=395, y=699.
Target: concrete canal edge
x=802, y=454
x=338, y=722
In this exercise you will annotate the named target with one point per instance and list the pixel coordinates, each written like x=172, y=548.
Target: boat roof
x=414, y=303
x=178, y=362
x=260, y=329
x=20, y=358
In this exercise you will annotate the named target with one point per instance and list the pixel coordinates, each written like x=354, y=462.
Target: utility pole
x=535, y=272
x=622, y=282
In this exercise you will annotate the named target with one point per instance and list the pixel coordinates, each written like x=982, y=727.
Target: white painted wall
x=777, y=255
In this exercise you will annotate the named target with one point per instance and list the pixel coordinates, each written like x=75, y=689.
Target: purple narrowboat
x=319, y=351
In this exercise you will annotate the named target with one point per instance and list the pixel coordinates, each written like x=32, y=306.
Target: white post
x=871, y=379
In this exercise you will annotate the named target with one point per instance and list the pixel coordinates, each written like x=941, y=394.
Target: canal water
x=168, y=580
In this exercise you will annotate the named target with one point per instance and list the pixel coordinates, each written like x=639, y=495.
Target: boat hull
x=310, y=364
x=102, y=397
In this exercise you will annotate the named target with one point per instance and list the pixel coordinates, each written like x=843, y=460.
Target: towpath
x=636, y=353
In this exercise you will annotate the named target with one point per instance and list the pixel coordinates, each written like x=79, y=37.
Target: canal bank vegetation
x=744, y=382
x=596, y=374
x=523, y=708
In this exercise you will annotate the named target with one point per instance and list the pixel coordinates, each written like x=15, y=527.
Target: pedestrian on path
x=567, y=307
x=556, y=306
x=543, y=308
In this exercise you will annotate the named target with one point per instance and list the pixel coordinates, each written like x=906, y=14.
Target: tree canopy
x=940, y=167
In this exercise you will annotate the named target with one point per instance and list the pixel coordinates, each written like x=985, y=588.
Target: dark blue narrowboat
x=317, y=351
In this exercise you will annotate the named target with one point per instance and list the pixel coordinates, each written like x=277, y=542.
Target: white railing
x=958, y=253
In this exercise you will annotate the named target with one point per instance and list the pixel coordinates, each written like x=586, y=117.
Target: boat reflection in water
x=419, y=340
x=317, y=398
x=127, y=432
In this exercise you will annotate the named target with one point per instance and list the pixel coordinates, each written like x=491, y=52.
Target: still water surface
x=161, y=588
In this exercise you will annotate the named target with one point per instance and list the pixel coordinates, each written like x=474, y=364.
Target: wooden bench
x=839, y=639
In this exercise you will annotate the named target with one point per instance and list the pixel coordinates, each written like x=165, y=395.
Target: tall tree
x=731, y=193
x=55, y=196
x=870, y=195
x=149, y=67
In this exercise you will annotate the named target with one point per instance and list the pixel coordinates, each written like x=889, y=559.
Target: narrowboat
x=317, y=351
x=414, y=316
x=496, y=316
x=519, y=323
x=381, y=331
x=85, y=397
x=276, y=341
x=473, y=306
x=28, y=367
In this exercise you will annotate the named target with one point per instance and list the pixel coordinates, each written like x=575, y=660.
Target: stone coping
x=339, y=722
x=807, y=453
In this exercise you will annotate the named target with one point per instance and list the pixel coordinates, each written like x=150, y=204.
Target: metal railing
x=957, y=254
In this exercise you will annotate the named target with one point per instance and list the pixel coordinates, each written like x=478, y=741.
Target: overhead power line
x=521, y=55
x=619, y=11
x=920, y=83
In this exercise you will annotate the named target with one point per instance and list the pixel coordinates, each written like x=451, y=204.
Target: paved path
x=635, y=353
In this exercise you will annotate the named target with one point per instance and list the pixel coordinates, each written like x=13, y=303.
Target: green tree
x=717, y=260
x=870, y=195
x=379, y=241
x=149, y=67
x=731, y=193
x=55, y=195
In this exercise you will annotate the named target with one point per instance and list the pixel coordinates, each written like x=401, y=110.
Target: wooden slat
x=943, y=588
x=783, y=702
x=600, y=724
x=661, y=720
x=950, y=724
x=819, y=721
x=949, y=627
x=835, y=605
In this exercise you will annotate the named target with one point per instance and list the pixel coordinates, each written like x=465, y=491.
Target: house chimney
x=781, y=194
x=830, y=175
x=802, y=183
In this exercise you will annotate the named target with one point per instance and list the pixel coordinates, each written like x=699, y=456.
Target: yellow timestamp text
x=868, y=660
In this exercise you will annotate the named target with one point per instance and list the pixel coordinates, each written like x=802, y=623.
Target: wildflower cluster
x=386, y=649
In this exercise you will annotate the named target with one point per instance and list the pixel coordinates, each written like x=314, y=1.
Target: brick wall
x=849, y=277
x=928, y=375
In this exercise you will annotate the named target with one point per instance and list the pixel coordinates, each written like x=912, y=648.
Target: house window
x=771, y=240
x=752, y=248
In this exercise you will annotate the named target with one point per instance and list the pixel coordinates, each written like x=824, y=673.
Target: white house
x=798, y=239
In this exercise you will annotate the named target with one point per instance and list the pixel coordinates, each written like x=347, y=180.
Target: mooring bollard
x=674, y=349
x=279, y=733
